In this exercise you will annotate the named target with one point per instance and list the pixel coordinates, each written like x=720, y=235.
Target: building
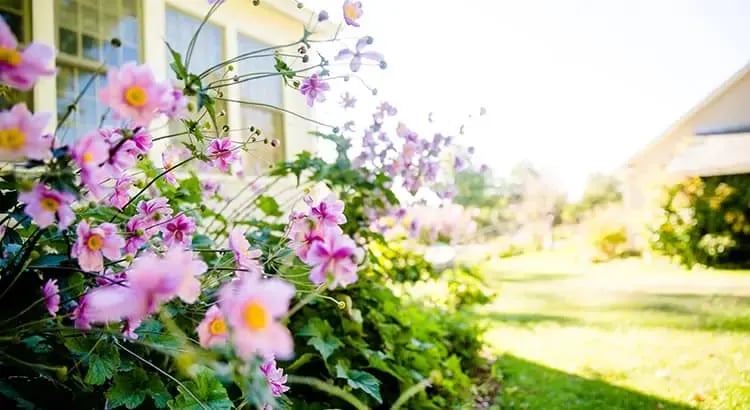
x=712, y=139
x=81, y=31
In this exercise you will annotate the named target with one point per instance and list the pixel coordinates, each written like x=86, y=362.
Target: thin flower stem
x=191, y=45
x=331, y=389
x=273, y=107
x=244, y=56
x=410, y=392
x=158, y=369
x=310, y=296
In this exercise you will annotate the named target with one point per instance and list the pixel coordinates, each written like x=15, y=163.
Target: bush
x=607, y=233
x=705, y=221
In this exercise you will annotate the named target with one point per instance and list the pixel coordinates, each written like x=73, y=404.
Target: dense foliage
x=130, y=284
x=705, y=221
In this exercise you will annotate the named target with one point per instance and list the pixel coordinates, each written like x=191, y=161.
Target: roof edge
x=705, y=102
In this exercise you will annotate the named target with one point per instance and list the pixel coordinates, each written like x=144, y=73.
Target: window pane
x=90, y=19
x=66, y=14
x=208, y=46
x=91, y=48
x=266, y=89
x=12, y=4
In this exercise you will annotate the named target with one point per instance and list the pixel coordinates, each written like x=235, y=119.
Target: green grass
x=622, y=335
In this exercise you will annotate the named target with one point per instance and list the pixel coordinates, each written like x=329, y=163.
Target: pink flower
x=329, y=212
x=133, y=93
x=152, y=213
x=20, y=69
x=303, y=234
x=221, y=153
x=120, y=196
x=178, y=231
x=252, y=307
x=90, y=153
x=136, y=235
x=170, y=158
x=212, y=331
x=275, y=376
x=175, y=105
x=94, y=243
x=313, y=88
x=44, y=204
x=246, y=258
x=22, y=133
x=352, y=12
x=159, y=279
x=128, y=329
x=336, y=256
x=51, y=294
x=110, y=303
x=127, y=149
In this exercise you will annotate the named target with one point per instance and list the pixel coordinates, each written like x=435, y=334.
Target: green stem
x=328, y=388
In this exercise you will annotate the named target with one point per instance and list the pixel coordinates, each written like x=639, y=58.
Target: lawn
x=621, y=335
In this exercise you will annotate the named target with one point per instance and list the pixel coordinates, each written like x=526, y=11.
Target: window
x=267, y=90
x=208, y=50
x=84, y=29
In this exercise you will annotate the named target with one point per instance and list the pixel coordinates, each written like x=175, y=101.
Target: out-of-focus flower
x=322, y=16
x=349, y=126
x=303, y=233
x=128, y=329
x=44, y=204
x=106, y=304
x=212, y=330
x=178, y=231
x=221, y=153
x=253, y=307
x=209, y=188
x=91, y=153
x=352, y=12
x=120, y=196
x=152, y=213
x=22, y=133
x=175, y=105
x=133, y=93
x=169, y=159
x=336, y=255
x=21, y=69
x=348, y=100
x=94, y=243
x=245, y=257
x=313, y=88
x=135, y=235
x=275, y=376
x=51, y=294
x=358, y=54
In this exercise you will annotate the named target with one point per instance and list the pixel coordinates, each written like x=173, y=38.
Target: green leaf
x=366, y=382
x=103, y=362
x=36, y=345
x=321, y=337
x=9, y=392
x=201, y=241
x=158, y=391
x=50, y=260
x=207, y=388
x=177, y=66
x=127, y=389
x=268, y=205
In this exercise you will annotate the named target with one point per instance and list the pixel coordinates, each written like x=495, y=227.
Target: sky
x=574, y=86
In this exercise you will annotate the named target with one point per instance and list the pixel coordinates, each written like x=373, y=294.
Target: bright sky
x=575, y=86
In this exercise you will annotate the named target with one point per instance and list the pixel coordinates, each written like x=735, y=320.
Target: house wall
x=646, y=174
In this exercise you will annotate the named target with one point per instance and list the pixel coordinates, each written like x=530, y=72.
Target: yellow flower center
x=88, y=157
x=217, y=327
x=351, y=12
x=12, y=138
x=95, y=242
x=136, y=96
x=256, y=317
x=10, y=56
x=49, y=204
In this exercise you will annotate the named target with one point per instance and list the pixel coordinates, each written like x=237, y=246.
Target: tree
x=601, y=189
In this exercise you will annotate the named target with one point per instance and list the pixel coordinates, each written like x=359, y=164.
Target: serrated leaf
x=321, y=337
x=268, y=205
x=158, y=392
x=103, y=363
x=36, y=345
x=127, y=389
x=366, y=382
x=207, y=388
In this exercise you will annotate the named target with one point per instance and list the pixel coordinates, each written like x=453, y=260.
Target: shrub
x=607, y=234
x=704, y=221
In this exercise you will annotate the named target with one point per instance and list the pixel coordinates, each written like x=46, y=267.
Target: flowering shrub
x=704, y=221
x=123, y=285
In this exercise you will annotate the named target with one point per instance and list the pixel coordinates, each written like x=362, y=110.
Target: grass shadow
x=514, y=277
x=529, y=319
x=529, y=385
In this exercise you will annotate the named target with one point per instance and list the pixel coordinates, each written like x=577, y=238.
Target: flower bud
x=305, y=58
x=322, y=16
x=116, y=42
x=275, y=142
x=341, y=304
x=383, y=65
x=374, y=91
x=256, y=2
x=300, y=6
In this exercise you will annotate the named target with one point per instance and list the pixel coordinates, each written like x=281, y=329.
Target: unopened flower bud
x=305, y=58
x=341, y=304
x=256, y=2
x=116, y=42
x=275, y=142
x=323, y=15
x=222, y=113
x=374, y=91
x=225, y=128
x=335, y=130
x=302, y=50
x=300, y=6
x=265, y=140
x=191, y=108
x=230, y=67
x=383, y=65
